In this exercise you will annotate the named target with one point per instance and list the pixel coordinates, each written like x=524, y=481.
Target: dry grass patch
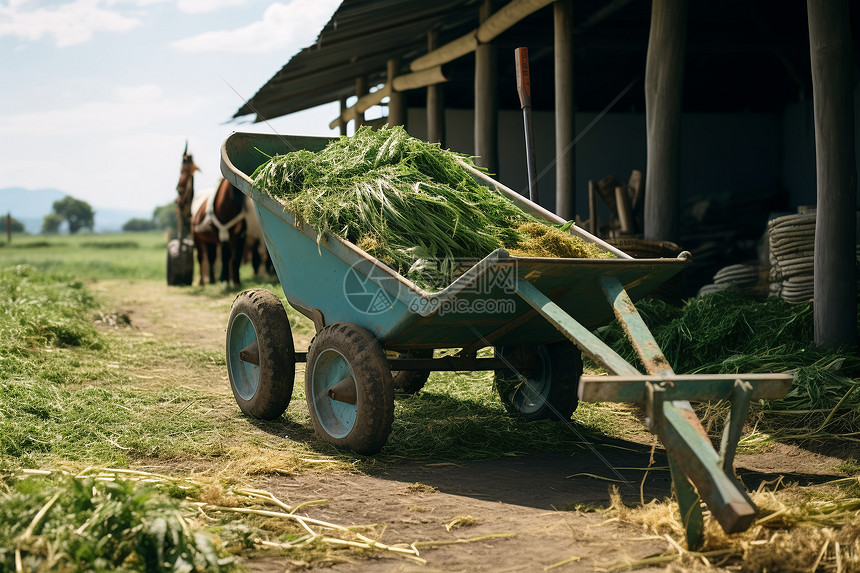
x=808, y=529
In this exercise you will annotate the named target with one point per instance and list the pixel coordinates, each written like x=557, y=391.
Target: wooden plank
x=364, y=103
x=685, y=386
x=420, y=79
x=360, y=90
x=625, y=212
x=500, y=21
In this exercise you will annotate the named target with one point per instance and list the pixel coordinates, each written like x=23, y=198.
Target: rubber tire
x=560, y=366
x=262, y=391
x=410, y=381
x=346, y=349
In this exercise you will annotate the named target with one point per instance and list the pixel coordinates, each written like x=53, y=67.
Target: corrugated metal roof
x=358, y=40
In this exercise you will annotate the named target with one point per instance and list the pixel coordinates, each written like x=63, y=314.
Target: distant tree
x=165, y=216
x=139, y=225
x=78, y=214
x=17, y=226
x=51, y=224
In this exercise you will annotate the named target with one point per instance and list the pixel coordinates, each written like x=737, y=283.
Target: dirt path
x=522, y=507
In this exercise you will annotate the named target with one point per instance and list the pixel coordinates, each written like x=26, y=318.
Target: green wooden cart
x=376, y=332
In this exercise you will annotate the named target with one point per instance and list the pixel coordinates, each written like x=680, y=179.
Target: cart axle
x=250, y=354
x=344, y=391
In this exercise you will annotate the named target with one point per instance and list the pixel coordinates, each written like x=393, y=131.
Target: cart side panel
x=313, y=277
x=243, y=153
x=488, y=304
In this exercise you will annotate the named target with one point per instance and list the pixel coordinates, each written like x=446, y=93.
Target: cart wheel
x=349, y=389
x=410, y=381
x=261, y=359
x=546, y=385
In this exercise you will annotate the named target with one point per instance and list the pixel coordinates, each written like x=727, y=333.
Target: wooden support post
x=396, y=100
x=565, y=110
x=435, y=103
x=360, y=90
x=593, y=227
x=625, y=213
x=664, y=82
x=342, y=122
x=832, y=58
x=486, y=100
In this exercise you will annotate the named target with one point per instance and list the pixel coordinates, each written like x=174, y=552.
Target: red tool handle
x=521, y=58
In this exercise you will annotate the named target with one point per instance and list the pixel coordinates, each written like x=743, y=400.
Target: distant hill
x=31, y=206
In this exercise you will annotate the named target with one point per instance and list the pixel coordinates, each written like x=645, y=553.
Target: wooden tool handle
x=521, y=59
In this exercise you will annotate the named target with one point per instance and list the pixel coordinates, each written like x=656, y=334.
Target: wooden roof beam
x=497, y=23
x=402, y=83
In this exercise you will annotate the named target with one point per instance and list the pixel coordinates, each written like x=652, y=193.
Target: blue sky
x=99, y=96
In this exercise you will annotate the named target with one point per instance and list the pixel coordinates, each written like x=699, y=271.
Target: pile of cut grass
x=729, y=333
x=70, y=524
x=124, y=520
x=408, y=203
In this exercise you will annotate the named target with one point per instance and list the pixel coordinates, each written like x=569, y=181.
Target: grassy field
x=89, y=256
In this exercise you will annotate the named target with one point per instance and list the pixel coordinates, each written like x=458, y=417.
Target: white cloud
x=132, y=108
x=284, y=28
x=68, y=24
x=202, y=6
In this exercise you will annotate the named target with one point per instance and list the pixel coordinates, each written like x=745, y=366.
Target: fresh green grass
x=87, y=256
x=41, y=422
x=729, y=333
x=409, y=203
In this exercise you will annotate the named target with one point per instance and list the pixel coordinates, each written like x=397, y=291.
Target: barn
x=711, y=117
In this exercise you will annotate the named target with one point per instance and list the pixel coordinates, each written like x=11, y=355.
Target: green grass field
x=89, y=256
